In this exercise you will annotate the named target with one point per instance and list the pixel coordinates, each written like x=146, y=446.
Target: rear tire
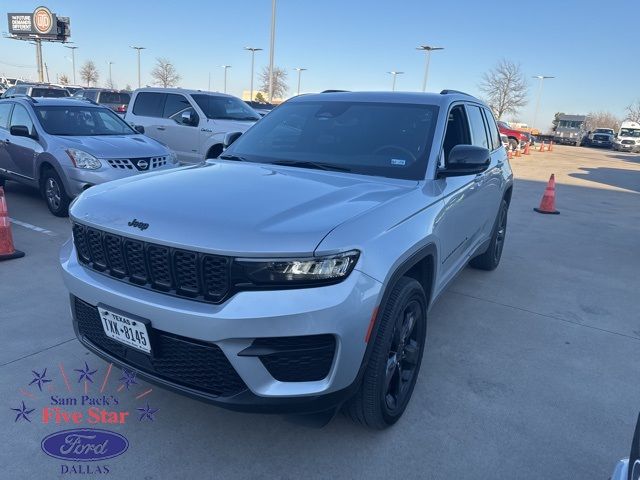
x=53, y=192
x=393, y=367
x=490, y=259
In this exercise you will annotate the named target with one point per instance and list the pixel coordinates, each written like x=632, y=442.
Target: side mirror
x=186, y=118
x=20, y=131
x=139, y=128
x=466, y=160
x=229, y=138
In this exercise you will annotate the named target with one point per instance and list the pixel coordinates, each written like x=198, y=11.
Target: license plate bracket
x=126, y=328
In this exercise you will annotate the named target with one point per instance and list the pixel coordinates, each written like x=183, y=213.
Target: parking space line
x=33, y=227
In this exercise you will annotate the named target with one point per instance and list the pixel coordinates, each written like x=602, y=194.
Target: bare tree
x=633, y=111
x=601, y=120
x=505, y=88
x=89, y=73
x=63, y=79
x=128, y=87
x=260, y=98
x=165, y=74
x=280, y=86
x=110, y=84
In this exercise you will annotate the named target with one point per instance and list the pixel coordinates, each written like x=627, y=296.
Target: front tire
x=54, y=194
x=490, y=259
x=393, y=367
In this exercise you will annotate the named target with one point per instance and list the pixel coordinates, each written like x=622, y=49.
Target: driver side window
x=457, y=131
x=20, y=116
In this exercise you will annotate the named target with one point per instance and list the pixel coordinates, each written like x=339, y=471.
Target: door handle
x=160, y=128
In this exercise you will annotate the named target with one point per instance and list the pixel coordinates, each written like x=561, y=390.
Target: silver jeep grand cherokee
x=295, y=272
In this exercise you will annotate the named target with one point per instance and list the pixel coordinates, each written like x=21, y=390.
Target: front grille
x=297, y=359
x=200, y=366
x=142, y=164
x=628, y=142
x=182, y=273
x=601, y=137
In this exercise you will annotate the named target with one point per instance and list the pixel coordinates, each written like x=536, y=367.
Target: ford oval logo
x=84, y=445
x=142, y=164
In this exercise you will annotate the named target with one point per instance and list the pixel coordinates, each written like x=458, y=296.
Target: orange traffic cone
x=542, y=147
x=7, y=251
x=550, y=146
x=526, y=149
x=548, y=202
x=509, y=153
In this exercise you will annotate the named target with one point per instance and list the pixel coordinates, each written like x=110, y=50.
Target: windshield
x=383, y=139
x=604, y=130
x=115, y=97
x=49, y=92
x=81, y=121
x=225, y=108
x=630, y=132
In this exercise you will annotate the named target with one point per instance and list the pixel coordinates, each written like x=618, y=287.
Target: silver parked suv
x=64, y=146
x=295, y=272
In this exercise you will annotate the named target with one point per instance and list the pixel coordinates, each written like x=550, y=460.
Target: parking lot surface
x=529, y=372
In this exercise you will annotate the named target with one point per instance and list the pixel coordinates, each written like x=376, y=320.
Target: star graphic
x=129, y=378
x=147, y=412
x=23, y=412
x=85, y=374
x=39, y=378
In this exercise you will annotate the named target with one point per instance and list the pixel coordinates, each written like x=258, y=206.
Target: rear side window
x=114, y=97
x=90, y=94
x=5, y=110
x=49, y=92
x=20, y=90
x=478, y=131
x=149, y=104
x=174, y=104
x=493, y=129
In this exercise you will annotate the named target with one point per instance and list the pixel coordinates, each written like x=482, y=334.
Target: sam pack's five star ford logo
x=83, y=398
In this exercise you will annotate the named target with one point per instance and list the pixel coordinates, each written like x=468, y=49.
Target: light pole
x=73, y=61
x=225, y=76
x=272, y=46
x=110, y=77
x=427, y=49
x=299, y=70
x=535, y=115
x=394, y=74
x=138, y=49
x=253, y=57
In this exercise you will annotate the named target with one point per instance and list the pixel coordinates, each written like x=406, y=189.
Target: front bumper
x=77, y=180
x=566, y=140
x=626, y=147
x=342, y=310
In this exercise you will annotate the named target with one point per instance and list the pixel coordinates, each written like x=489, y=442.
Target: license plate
x=132, y=333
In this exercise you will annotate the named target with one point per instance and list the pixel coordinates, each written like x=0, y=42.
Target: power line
x=17, y=65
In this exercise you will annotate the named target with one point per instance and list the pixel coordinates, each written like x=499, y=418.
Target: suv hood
x=115, y=146
x=234, y=208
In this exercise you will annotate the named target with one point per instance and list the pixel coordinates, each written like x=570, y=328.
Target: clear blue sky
x=590, y=46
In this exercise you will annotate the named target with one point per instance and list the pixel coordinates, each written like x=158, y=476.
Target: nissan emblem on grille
x=142, y=164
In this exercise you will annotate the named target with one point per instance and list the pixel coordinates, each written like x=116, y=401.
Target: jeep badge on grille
x=141, y=225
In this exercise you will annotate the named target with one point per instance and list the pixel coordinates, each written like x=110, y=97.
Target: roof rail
x=22, y=95
x=334, y=91
x=448, y=91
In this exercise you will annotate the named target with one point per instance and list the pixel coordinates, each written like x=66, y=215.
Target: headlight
x=298, y=271
x=82, y=159
x=173, y=158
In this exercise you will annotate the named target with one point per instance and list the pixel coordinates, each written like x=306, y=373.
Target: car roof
x=183, y=91
x=51, y=101
x=443, y=99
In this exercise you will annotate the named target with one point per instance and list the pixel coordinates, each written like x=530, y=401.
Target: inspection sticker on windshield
x=398, y=161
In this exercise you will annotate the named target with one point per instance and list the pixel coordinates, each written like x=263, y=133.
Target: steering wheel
x=397, y=148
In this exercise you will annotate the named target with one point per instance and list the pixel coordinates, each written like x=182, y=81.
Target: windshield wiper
x=233, y=157
x=316, y=165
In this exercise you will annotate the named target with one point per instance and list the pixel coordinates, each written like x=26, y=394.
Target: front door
x=22, y=150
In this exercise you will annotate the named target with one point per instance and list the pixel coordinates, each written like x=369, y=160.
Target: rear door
x=147, y=110
x=181, y=136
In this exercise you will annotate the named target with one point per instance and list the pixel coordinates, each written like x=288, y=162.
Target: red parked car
x=516, y=137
